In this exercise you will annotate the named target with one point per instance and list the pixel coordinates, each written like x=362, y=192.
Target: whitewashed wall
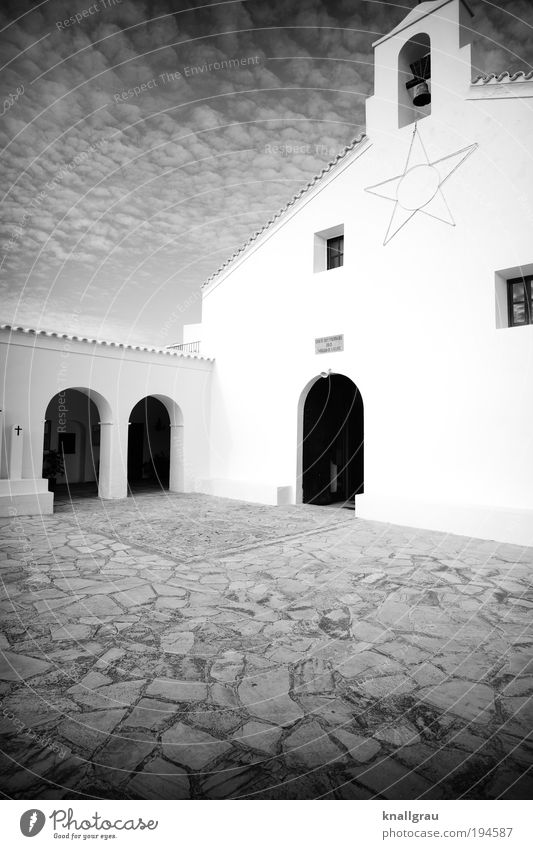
x=447, y=393
x=34, y=368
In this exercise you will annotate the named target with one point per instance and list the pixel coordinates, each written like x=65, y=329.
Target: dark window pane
x=520, y=300
x=519, y=292
x=335, y=252
x=519, y=314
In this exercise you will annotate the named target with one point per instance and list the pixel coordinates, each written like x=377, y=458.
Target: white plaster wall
x=448, y=400
x=34, y=368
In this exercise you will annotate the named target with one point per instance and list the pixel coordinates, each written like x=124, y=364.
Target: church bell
x=420, y=93
x=418, y=86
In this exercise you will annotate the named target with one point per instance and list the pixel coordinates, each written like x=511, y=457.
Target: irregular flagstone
x=230, y=782
x=160, y=779
x=71, y=632
x=472, y=702
x=110, y=657
x=259, y=736
x=169, y=590
x=266, y=695
x=336, y=622
x=149, y=713
x=95, y=605
x=16, y=667
x=401, y=734
x=427, y=673
x=177, y=642
x=170, y=603
x=73, y=584
x=519, y=713
x=334, y=711
x=122, y=754
x=227, y=667
x=311, y=746
x=389, y=779
x=178, y=691
x=110, y=696
x=366, y=631
x=367, y=661
x=191, y=747
x=466, y=608
x=48, y=604
x=395, y=615
x=90, y=730
x=34, y=712
x=79, y=651
x=387, y=685
x=136, y=595
x=313, y=676
x=519, y=687
x=219, y=722
x=94, y=679
x=361, y=749
x=44, y=767
x=223, y=696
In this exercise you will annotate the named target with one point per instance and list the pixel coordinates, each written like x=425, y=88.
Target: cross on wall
x=18, y=429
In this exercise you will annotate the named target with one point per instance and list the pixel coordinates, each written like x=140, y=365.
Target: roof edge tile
x=31, y=331
x=503, y=77
x=284, y=209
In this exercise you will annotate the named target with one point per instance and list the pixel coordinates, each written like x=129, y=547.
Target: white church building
x=372, y=345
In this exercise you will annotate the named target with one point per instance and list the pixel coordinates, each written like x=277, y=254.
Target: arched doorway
x=332, y=444
x=71, y=445
x=149, y=444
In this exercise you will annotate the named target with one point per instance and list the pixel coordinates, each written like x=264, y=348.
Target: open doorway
x=149, y=445
x=332, y=442
x=71, y=445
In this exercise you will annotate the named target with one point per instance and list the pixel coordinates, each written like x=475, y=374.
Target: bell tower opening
x=414, y=80
x=422, y=67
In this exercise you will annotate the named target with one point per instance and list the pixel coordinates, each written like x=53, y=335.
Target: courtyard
x=184, y=646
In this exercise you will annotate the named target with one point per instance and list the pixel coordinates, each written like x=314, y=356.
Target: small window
x=520, y=301
x=328, y=250
x=335, y=252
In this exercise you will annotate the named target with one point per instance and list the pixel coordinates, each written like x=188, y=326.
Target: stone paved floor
x=192, y=647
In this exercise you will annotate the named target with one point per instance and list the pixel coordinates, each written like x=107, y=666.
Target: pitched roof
x=30, y=331
x=416, y=14
x=310, y=185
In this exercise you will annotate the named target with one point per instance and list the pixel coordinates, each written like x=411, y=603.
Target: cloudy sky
x=117, y=203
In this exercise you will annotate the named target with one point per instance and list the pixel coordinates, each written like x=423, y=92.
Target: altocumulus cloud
x=144, y=141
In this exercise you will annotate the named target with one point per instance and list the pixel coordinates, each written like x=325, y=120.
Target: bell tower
x=422, y=66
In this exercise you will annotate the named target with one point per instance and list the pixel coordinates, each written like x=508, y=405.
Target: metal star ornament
x=418, y=188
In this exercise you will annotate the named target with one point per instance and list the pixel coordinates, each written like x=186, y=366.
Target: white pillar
x=14, y=459
x=112, y=477
x=3, y=447
x=176, y=479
